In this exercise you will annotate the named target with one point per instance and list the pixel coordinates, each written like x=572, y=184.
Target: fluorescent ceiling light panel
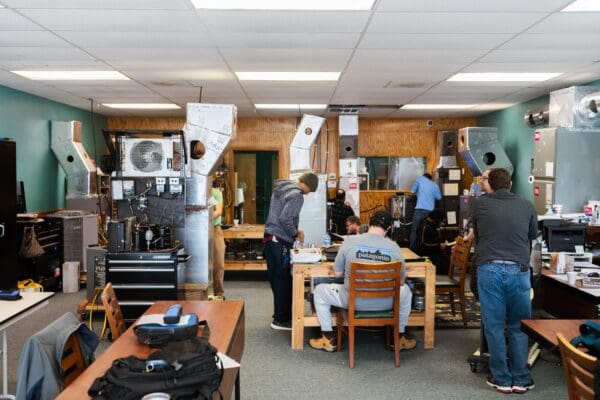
x=288, y=76
x=436, y=106
x=143, y=106
x=290, y=106
x=284, y=4
x=72, y=75
x=503, y=76
x=583, y=6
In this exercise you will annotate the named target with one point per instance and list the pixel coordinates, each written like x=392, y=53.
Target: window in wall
x=392, y=173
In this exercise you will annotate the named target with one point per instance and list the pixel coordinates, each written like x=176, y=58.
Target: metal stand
x=480, y=355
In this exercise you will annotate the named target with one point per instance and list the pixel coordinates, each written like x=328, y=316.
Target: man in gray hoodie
x=281, y=230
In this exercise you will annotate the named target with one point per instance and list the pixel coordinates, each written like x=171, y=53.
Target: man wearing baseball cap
x=370, y=247
x=281, y=230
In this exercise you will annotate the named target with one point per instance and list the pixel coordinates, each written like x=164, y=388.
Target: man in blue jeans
x=427, y=193
x=504, y=225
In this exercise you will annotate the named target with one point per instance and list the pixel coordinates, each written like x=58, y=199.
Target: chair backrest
x=460, y=259
x=374, y=280
x=113, y=311
x=579, y=370
x=72, y=362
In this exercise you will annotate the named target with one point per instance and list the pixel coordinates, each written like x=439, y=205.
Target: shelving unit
x=247, y=232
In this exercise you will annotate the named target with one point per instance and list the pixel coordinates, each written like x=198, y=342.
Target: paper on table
x=228, y=362
x=159, y=319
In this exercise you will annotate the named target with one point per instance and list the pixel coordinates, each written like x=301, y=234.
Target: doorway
x=256, y=172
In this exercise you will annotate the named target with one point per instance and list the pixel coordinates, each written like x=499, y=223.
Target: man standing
x=340, y=211
x=504, y=224
x=281, y=230
x=427, y=193
x=372, y=247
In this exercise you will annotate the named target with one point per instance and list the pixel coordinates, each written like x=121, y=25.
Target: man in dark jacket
x=281, y=230
x=429, y=243
x=340, y=211
x=504, y=225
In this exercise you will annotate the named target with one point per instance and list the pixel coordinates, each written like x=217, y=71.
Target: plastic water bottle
x=327, y=240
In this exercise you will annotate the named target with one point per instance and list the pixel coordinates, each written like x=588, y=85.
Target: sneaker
x=322, y=343
x=406, y=343
x=281, y=326
x=520, y=389
x=499, y=388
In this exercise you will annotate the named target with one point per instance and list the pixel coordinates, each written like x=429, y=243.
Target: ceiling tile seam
x=218, y=49
x=356, y=47
x=89, y=54
x=487, y=53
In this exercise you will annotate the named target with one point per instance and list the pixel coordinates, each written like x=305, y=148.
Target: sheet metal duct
x=481, y=150
x=306, y=135
x=535, y=118
x=79, y=167
x=575, y=107
x=208, y=131
x=348, y=163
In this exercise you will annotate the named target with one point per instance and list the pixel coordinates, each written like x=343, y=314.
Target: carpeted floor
x=272, y=370
x=445, y=320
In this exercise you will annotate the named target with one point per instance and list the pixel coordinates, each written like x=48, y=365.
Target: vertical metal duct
x=348, y=163
x=208, y=131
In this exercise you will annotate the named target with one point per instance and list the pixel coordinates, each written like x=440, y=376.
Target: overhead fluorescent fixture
x=436, y=106
x=72, y=75
x=336, y=5
x=583, y=6
x=290, y=106
x=288, y=76
x=503, y=76
x=143, y=106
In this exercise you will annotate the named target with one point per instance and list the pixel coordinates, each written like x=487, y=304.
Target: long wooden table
x=564, y=300
x=544, y=330
x=421, y=270
x=226, y=322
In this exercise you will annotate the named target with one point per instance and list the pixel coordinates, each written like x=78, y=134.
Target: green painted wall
x=26, y=119
x=517, y=138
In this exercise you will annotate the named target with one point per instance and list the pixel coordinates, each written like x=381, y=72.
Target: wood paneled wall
x=377, y=137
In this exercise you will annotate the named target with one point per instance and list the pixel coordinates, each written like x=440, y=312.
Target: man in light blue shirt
x=427, y=193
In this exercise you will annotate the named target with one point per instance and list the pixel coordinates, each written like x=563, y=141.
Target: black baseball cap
x=382, y=219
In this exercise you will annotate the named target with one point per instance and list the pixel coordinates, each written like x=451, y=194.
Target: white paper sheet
x=228, y=362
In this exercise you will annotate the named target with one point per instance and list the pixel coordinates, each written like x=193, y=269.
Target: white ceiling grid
x=400, y=52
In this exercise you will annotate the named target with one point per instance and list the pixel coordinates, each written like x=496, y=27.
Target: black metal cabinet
x=140, y=278
x=8, y=214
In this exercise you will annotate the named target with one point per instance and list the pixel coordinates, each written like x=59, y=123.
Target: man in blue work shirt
x=427, y=193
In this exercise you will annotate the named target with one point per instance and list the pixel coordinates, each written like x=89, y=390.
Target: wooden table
x=226, y=322
x=544, y=330
x=245, y=231
x=563, y=300
x=421, y=270
x=12, y=311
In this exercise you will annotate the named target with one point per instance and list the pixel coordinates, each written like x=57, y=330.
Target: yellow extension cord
x=90, y=323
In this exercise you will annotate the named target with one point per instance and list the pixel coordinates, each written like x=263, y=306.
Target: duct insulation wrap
x=575, y=107
x=480, y=149
x=79, y=167
x=306, y=135
x=199, y=234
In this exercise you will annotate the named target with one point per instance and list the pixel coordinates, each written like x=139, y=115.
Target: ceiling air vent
x=403, y=85
x=356, y=108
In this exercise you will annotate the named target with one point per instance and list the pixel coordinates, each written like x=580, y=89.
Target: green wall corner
x=25, y=118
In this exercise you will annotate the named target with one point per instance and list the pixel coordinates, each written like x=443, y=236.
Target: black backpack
x=185, y=370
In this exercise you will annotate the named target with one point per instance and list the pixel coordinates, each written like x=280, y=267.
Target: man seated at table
x=429, y=242
x=353, y=226
x=371, y=247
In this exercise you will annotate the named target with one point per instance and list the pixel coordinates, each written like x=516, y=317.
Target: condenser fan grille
x=147, y=156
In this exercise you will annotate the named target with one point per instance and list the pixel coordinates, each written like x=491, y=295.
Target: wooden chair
x=72, y=363
x=372, y=280
x=449, y=285
x=113, y=312
x=579, y=370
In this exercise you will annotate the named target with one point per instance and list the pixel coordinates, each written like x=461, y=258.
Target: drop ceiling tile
x=326, y=60
x=12, y=21
x=433, y=97
x=432, y=41
x=452, y=22
x=553, y=41
x=569, y=23
x=31, y=39
x=285, y=21
x=565, y=55
x=190, y=40
x=103, y=4
x=42, y=54
x=472, y=5
x=205, y=55
x=286, y=40
x=62, y=64
x=394, y=58
x=191, y=92
x=115, y=20
x=531, y=66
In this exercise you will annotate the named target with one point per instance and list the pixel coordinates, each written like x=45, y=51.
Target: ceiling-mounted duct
x=79, y=167
x=481, y=150
x=575, y=107
x=306, y=134
x=535, y=118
